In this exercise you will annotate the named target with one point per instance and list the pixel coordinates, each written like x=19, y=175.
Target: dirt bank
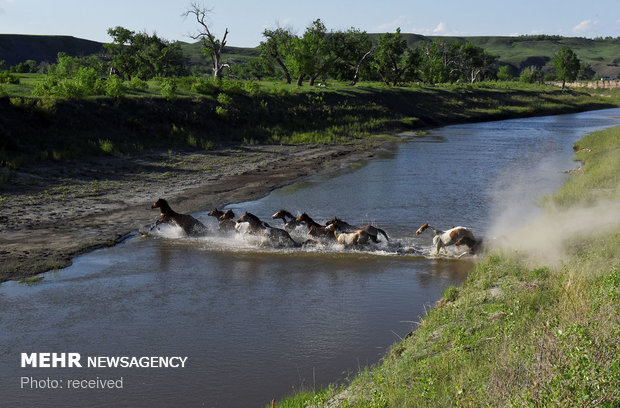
x=52, y=212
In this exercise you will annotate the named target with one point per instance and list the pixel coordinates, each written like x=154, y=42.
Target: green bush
x=136, y=84
x=168, y=88
x=7, y=78
x=115, y=87
x=205, y=86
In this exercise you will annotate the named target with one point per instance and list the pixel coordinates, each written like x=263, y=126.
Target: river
x=257, y=323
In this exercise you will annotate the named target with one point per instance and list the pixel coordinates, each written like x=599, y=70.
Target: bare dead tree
x=358, y=65
x=208, y=40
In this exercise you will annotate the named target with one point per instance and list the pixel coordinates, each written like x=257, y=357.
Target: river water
x=257, y=323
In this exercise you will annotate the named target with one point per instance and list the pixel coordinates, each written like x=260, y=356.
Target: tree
x=566, y=65
x=392, y=58
x=275, y=48
x=440, y=62
x=211, y=45
x=474, y=62
x=310, y=55
x=351, y=48
x=531, y=75
x=142, y=55
x=504, y=74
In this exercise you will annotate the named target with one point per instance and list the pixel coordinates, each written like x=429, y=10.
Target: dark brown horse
x=315, y=229
x=189, y=224
x=277, y=236
x=372, y=231
x=289, y=220
x=226, y=221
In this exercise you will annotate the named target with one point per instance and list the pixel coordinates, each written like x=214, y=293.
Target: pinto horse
x=289, y=225
x=315, y=229
x=359, y=237
x=189, y=224
x=372, y=231
x=276, y=235
x=453, y=236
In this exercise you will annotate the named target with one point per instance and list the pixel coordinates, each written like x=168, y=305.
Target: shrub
x=136, y=84
x=87, y=80
x=115, y=87
x=205, y=86
x=7, y=78
x=168, y=88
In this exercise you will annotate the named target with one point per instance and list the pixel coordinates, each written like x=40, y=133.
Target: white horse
x=453, y=236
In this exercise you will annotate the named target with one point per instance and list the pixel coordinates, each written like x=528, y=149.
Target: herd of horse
x=333, y=231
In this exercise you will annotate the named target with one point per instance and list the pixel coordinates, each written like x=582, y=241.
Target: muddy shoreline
x=52, y=212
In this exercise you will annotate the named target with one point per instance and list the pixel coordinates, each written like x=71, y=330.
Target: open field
x=522, y=331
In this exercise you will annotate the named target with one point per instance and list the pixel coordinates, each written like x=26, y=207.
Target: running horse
x=453, y=236
x=359, y=237
x=290, y=224
x=372, y=231
x=276, y=236
x=189, y=224
x=315, y=229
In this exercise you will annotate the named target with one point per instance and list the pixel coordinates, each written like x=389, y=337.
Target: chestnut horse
x=315, y=229
x=289, y=225
x=189, y=224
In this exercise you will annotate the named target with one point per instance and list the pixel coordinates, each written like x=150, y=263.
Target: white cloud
x=440, y=29
x=392, y=25
x=585, y=25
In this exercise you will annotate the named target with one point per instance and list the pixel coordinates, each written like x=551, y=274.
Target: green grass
x=237, y=112
x=516, y=334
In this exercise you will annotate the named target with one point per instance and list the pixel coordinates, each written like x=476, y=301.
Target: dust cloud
x=545, y=238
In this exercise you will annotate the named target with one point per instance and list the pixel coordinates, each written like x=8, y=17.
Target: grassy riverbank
x=522, y=331
x=232, y=113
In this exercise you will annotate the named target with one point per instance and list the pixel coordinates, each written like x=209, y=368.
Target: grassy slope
x=515, y=335
x=36, y=129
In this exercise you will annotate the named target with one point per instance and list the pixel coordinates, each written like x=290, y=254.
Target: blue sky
x=247, y=19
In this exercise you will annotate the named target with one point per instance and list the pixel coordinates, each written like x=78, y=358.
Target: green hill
x=16, y=48
x=520, y=52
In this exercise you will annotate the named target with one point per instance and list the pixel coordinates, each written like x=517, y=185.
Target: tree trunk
x=312, y=79
x=356, y=75
x=563, y=83
x=286, y=73
x=300, y=80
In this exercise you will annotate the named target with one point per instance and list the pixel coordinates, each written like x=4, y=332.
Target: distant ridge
x=518, y=52
x=16, y=48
